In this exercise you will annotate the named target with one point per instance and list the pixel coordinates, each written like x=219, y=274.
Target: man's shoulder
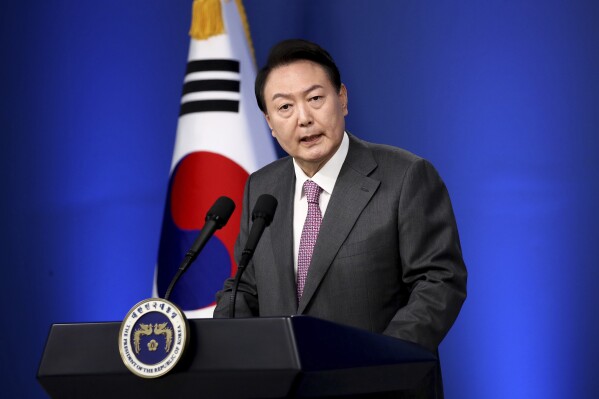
x=385, y=154
x=274, y=169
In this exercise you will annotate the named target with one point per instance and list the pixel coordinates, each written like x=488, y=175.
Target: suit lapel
x=282, y=241
x=351, y=194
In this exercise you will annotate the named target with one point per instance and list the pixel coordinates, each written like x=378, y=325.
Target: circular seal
x=153, y=337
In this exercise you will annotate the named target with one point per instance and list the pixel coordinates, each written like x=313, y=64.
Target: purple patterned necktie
x=309, y=234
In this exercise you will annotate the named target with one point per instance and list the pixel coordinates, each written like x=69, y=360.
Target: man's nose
x=304, y=116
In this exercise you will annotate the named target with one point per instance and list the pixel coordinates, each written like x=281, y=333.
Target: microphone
x=216, y=217
x=263, y=213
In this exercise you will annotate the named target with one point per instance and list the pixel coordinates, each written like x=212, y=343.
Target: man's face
x=305, y=113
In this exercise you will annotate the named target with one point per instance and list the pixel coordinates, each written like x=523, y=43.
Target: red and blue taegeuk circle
x=197, y=181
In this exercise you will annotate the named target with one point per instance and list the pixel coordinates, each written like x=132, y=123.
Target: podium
x=279, y=357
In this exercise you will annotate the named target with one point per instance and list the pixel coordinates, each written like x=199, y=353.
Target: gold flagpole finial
x=206, y=20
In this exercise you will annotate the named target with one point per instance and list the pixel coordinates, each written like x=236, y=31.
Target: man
x=376, y=246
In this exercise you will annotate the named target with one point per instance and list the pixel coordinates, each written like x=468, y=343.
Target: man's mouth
x=311, y=138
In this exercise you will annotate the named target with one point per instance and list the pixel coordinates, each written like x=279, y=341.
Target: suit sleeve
x=431, y=259
x=246, y=304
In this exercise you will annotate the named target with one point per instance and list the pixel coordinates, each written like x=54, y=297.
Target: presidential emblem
x=153, y=337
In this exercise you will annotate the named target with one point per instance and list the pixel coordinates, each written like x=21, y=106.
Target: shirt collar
x=327, y=175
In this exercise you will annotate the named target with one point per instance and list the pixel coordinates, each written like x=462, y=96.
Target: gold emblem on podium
x=153, y=337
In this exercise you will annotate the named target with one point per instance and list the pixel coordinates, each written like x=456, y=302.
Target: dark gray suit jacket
x=387, y=258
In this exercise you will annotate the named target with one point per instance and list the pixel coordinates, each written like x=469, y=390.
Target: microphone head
x=265, y=208
x=221, y=211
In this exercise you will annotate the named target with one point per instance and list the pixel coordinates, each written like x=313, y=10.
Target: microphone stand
x=245, y=259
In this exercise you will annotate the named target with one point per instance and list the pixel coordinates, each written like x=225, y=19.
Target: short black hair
x=292, y=50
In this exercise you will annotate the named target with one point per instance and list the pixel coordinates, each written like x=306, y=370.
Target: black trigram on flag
x=211, y=85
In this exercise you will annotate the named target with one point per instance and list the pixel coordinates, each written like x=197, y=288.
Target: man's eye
x=284, y=107
x=316, y=98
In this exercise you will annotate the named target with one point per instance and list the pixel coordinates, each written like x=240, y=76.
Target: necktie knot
x=312, y=191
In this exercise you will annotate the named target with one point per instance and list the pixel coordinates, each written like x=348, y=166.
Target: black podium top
x=237, y=358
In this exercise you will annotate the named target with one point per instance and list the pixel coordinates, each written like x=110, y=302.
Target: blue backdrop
x=502, y=97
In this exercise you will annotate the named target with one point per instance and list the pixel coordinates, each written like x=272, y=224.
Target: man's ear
x=268, y=121
x=343, y=99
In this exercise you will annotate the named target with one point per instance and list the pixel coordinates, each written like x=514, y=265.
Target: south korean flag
x=221, y=138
